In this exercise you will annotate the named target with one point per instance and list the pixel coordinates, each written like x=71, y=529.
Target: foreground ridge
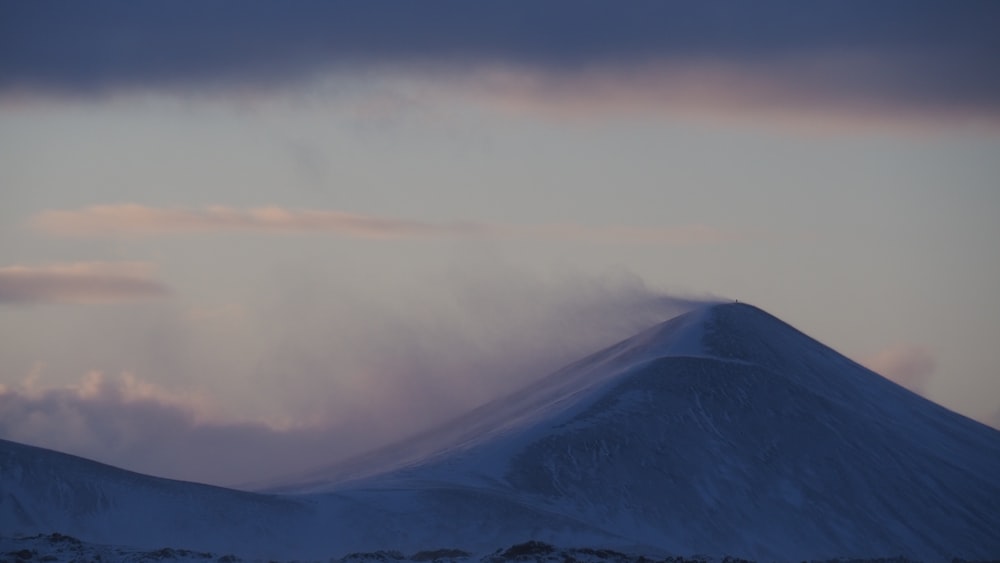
x=58, y=547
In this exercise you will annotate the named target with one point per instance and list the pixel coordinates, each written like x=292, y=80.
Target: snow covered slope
x=42, y=491
x=722, y=431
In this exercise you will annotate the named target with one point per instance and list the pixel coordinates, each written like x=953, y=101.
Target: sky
x=239, y=240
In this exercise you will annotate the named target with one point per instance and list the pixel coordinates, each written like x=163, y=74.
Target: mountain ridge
x=722, y=431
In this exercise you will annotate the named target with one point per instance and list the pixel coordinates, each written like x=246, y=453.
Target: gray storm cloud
x=916, y=55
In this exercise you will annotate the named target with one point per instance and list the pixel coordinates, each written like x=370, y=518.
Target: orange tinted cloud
x=811, y=94
x=140, y=220
x=132, y=219
x=82, y=282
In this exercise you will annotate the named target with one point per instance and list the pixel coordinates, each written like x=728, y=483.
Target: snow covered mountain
x=722, y=431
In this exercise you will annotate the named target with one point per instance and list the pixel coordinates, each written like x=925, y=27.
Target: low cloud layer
x=908, y=365
x=140, y=220
x=135, y=424
x=915, y=56
x=83, y=282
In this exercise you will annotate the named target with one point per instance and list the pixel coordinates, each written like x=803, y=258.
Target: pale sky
x=244, y=240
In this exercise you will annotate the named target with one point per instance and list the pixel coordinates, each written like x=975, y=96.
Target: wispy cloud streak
x=82, y=282
x=131, y=219
x=140, y=220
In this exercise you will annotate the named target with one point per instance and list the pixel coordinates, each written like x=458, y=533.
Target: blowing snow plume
x=334, y=375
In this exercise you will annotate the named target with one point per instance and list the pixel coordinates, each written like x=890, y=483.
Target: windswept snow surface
x=42, y=491
x=722, y=431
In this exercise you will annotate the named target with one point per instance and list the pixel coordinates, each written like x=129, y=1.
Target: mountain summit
x=721, y=431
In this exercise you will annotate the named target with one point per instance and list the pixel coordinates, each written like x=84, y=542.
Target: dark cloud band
x=936, y=52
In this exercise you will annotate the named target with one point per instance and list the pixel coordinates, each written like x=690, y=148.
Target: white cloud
x=133, y=423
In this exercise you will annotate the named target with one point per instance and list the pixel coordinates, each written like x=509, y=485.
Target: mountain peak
x=731, y=331
x=723, y=431
x=686, y=434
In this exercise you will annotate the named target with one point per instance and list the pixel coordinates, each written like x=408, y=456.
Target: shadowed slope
x=728, y=431
x=43, y=491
